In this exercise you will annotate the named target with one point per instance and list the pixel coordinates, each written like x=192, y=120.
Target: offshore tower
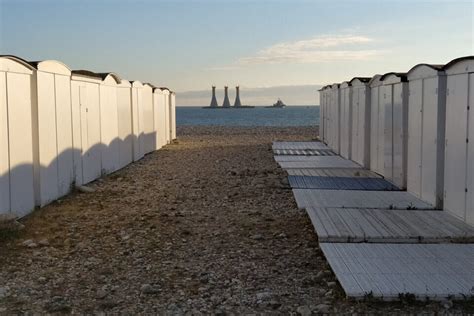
x=226, y=103
x=237, y=98
x=214, y=100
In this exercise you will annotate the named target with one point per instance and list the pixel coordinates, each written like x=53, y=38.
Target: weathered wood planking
x=299, y=145
x=386, y=271
x=288, y=162
x=388, y=226
x=304, y=152
x=358, y=199
x=341, y=183
x=333, y=172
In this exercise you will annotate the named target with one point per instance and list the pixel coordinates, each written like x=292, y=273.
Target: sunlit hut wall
x=52, y=117
x=85, y=101
x=16, y=136
x=173, y=114
x=166, y=93
x=346, y=119
x=160, y=117
x=426, y=132
x=322, y=114
x=360, y=121
x=377, y=120
x=149, y=128
x=109, y=122
x=124, y=108
x=459, y=159
x=334, y=121
x=395, y=100
x=326, y=113
x=138, y=122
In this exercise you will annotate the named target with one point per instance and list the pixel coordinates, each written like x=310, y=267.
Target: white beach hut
x=124, y=108
x=17, y=94
x=54, y=157
x=166, y=93
x=85, y=102
x=148, y=111
x=334, y=118
x=159, y=117
x=377, y=120
x=459, y=157
x=173, y=114
x=321, y=114
x=346, y=120
x=327, y=112
x=395, y=100
x=138, y=121
x=109, y=122
x=360, y=121
x=426, y=132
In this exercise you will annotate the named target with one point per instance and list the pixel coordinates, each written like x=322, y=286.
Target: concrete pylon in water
x=237, y=97
x=226, y=103
x=214, y=100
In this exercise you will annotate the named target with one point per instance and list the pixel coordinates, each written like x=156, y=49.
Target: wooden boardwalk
x=341, y=183
x=299, y=145
x=388, y=226
x=384, y=244
x=304, y=152
x=333, y=172
x=358, y=199
x=434, y=271
x=316, y=162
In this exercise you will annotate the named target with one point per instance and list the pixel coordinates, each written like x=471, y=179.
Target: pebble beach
x=207, y=225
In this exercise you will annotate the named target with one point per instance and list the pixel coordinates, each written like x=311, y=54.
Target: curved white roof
x=52, y=66
x=15, y=64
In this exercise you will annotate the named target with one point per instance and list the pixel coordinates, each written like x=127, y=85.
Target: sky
x=270, y=48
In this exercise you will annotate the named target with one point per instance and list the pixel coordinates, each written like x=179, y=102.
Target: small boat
x=278, y=104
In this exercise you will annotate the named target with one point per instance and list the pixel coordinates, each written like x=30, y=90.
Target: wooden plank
x=388, y=270
x=384, y=226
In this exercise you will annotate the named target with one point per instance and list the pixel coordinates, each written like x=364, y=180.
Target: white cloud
x=318, y=49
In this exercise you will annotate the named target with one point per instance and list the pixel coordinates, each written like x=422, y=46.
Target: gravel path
x=206, y=225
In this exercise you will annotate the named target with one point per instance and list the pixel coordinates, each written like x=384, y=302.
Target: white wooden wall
x=124, y=108
x=148, y=119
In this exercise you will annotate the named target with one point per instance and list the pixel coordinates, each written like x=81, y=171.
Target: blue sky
x=191, y=45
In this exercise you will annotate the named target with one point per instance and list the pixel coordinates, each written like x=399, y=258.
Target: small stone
x=319, y=275
x=303, y=310
x=447, y=304
x=43, y=242
x=42, y=280
x=257, y=237
x=150, y=289
x=322, y=308
x=282, y=235
x=101, y=294
x=328, y=293
x=263, y=295
x=29, y=243
x=84, y=189
x=332, y=284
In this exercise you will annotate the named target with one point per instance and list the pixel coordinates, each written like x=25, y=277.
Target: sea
x=258, y=116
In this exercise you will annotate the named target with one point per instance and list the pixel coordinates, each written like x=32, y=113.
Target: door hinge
x=467, y=140
x=465, y=190
x=468, y=107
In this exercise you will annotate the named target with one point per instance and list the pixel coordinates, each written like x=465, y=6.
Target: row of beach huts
x=61, y=128
x=416, y=129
